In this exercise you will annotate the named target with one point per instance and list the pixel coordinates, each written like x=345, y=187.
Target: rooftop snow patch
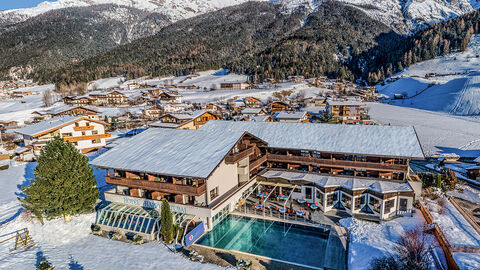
x=46, y=125
x=175, y=152
x=396, y=141
x=350, y=183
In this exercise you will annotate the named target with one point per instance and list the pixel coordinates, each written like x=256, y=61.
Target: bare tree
x=47, y=98
x=413, y=250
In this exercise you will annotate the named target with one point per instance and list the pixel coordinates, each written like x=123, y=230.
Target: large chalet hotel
x=207, y=173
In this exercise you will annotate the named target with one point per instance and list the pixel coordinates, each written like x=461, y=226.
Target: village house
x=234, y=85
x=186, y=120
x=153, y=93
x=8, y=123
x=261, y=118
x=253, y=102
x=176, y=107
x=84, y=111
x=212, y=107
x=207, y=173
x=78, y=101
x=253, y=112
x=346, y=111
x=292, y=117
x=108, y=98
x=153, y=112
x=86, y=134
x=296, y=79
x=170, y=97
x=278, y=106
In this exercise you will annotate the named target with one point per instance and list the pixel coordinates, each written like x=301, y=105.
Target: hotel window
x=331, y=198
x=308, y=193
x=87, y=124
x=388, y=206
x=76, y=124
x=403, y=204
x=359, y=201
x=94, y=132
x=75, y=143
x=304, y=153
x=83, y=133
x=66, y=135
x=214, y=193
x=347, y=201
x=319, y=196
x=375, y=204
x=316, y=154
x=96, y=141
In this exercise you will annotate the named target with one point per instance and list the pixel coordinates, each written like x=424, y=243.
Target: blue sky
x=12, y=4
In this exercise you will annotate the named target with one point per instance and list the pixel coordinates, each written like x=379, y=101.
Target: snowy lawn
x=455, y=227
x=467, y=261
x=370, y=240
x=466, y=193
x=71, y=246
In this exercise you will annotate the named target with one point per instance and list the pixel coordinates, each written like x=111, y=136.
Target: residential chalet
x=85, y=133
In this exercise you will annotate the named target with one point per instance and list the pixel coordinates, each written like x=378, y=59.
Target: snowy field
x=455, y=89
x=438, y=132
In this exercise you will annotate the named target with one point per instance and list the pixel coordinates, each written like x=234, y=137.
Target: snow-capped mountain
x=175, y=9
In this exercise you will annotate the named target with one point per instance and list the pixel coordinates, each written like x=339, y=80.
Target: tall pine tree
x=166, y=221
x=64, y=183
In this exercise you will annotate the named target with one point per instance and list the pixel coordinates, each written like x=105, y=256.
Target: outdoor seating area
x=276, y=201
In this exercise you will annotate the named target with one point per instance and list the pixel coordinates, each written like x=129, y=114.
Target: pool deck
x=336, y=251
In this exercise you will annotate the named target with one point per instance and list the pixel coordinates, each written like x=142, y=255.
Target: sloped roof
x=47, y=125
x=395, y=141
x=251, y=110
x=191, y=153
x=350, y=183
x=290, y=115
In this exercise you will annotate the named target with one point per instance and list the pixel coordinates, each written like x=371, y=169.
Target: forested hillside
x=63, y=36
x=262, y=40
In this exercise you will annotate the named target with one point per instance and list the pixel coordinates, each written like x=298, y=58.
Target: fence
x=465, y=215
x=442, y=240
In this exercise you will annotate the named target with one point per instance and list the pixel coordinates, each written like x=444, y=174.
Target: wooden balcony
x=84, y=138
x=157, y=186
x=337, y=163
x=230, y=159
x=258, y=162
x=83, y=128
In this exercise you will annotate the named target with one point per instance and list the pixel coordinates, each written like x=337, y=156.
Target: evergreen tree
x=166, y=220
x=64, y=183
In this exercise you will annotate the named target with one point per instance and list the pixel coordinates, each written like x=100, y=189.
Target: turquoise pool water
x=283, y=241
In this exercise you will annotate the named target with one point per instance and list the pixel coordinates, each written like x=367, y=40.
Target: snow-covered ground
x=455, y=89
x=370, y=240
x=438, y=132
x=467, y=193
x=455, y=227
x=21, y=109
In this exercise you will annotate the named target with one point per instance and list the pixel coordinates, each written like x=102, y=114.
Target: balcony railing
x=89, y=137
x=337, y=163
x=83, y=128
x=157, y=186
x=258, y=162
x=230, y=159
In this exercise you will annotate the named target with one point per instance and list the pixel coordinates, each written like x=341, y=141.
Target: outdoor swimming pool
x=283, y=241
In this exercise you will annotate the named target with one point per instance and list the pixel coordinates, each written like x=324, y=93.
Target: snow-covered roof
x=160, y=124
x=176, y=152
x=477, y=160
x=350, y=183
x=259, y=118
x=344, y=103
x=251, y=110
x=65, y=108
x=47, y=125
x=187, y=115
x=395, y=141
x=290, y=115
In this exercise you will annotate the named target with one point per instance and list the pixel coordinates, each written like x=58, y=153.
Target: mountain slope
x=59, y=37
x=174, y=9
x=204, y=42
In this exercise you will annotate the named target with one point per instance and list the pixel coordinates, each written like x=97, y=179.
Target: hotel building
x=205, y=173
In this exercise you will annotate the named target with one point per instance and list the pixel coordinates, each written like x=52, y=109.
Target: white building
x=86, y=134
